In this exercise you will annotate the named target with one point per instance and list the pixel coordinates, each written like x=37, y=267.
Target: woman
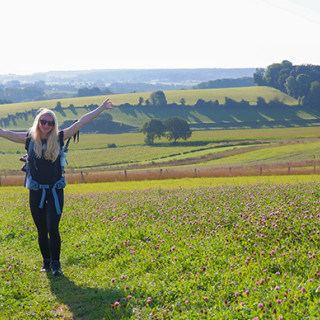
x=47, y=198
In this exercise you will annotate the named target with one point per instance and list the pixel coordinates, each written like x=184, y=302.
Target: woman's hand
x=70, y=131
x=107, y=104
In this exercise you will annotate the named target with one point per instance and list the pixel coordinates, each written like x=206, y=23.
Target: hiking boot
x=46, y=265
x=55, y=268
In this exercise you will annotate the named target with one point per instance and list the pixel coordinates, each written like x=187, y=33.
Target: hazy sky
x=42, y=35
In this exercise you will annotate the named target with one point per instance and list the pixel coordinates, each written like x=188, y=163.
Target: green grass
x=285, y=153
x=92, y=151
x=199, y=248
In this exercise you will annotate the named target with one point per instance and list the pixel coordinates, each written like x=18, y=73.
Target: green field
x=270, y=145
x=235, y=248
x=205, y=147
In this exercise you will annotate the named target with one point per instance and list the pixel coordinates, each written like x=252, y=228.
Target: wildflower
x=279, y=301
x=260, y=305
x=303, y=289
x=113, y=280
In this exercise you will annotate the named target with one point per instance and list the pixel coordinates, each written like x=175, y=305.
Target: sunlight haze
x=41, y=36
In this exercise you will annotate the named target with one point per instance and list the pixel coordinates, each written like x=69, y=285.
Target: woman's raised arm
x=19, y=137
x=70, y=131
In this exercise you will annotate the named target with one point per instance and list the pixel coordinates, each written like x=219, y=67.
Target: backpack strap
x=28, y=158
x=63, y=156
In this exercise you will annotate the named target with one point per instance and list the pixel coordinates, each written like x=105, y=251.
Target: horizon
x=119, y=69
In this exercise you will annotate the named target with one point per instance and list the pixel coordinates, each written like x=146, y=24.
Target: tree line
x=35, y=93
x=301, y=82
x=226, y=83
x=12, y=94
x=158, y=99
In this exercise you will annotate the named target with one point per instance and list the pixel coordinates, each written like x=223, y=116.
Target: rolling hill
x=132, y=115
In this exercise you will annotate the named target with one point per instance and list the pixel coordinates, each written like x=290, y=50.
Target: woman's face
x=46, y=123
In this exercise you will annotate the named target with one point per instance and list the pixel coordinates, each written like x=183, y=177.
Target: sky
x=61, y=35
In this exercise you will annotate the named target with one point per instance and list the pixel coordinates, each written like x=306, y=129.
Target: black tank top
x=45, y=171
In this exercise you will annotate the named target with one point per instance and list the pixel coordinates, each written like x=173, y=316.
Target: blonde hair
x=52, y=148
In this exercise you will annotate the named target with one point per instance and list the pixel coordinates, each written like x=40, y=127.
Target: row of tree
x=12, y=94
x=173, y=128
x=30, y=93
x=301, y=81
x=5, y=101
x=95, y=91
x=158, y=99
x=226, y=83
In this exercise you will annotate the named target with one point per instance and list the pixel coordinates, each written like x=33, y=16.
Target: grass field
x=227, y=147
x=205, y=147
x=236, y=248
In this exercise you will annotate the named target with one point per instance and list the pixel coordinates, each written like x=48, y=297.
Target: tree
x=158, y=98
x=313, y=97
x=177, y=128
x=304, y=83
x=58, y=106
x=33, y=93
x=258, y=77
x=272, y=75
x=153, y=128
x=95, y=91
x=261, y=102
x=291, y=86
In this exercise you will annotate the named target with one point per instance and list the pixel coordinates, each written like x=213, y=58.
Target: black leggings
x=47, y=222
